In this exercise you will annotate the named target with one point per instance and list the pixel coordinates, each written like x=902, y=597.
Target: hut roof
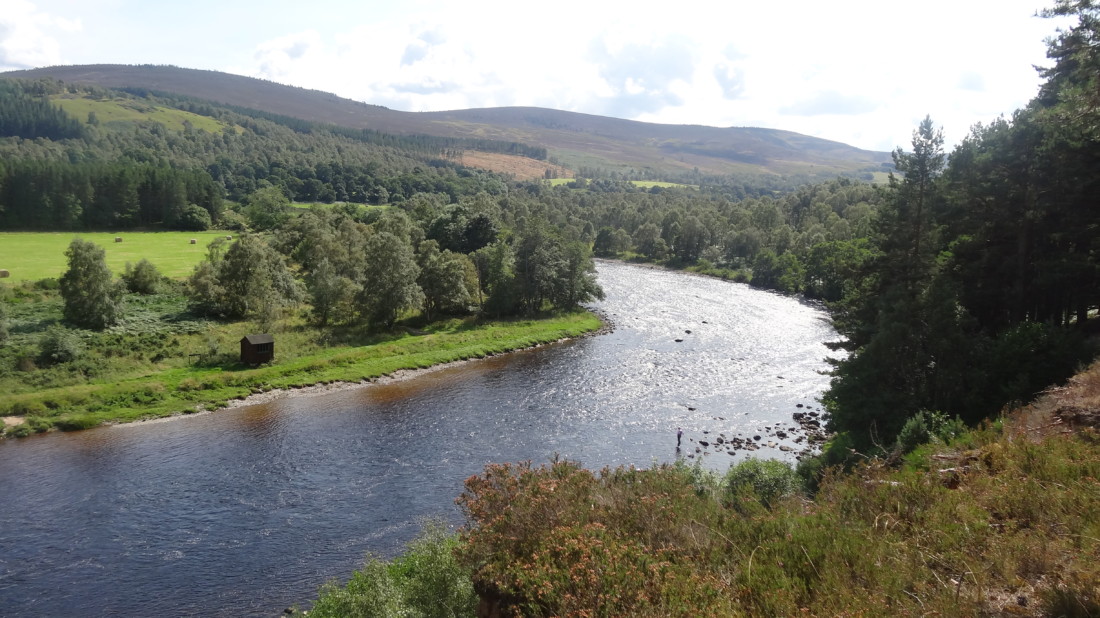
x=256, y=339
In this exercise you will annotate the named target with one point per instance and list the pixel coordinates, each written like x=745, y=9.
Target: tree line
x=985, y=278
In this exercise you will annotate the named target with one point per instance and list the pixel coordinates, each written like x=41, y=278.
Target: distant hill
x=580, y=142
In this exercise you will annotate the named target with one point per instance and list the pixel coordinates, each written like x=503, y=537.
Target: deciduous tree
x=91, y=297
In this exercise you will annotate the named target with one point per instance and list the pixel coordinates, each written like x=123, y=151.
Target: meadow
x=121, y=113
x=30, y=256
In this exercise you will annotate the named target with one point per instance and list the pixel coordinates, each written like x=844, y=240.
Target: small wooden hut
x=257, y=349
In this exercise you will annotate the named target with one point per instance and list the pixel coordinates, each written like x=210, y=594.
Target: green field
x=39, y=255
x=139, y=388
x=649, y=184
x=123, y=113
x=643, y=184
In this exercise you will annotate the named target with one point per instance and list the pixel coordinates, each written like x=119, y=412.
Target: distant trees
x=42, y=194
x=442, y=279
x=91, y=297
x=267, y=208
x=389, y=279
x=250, y=280
x=28, y=116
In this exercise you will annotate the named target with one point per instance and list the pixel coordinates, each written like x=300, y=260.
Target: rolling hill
x=574, y=140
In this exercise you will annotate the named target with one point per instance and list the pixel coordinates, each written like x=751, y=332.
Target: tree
x=442, y=278
x=90, y=295
x=267, y=208
x=389, y=281
x=578, y=277
x=495, y=265
x=645, y=240
x=250, y=280
x=333, y=295
x=193, y=218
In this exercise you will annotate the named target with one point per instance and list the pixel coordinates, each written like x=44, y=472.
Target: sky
x=862, y=72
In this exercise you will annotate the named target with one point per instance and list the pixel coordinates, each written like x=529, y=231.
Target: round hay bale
x=118, y=239
x=229, y=238
x=4, y=274
x=194, y=242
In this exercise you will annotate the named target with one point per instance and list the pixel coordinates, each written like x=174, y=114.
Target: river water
x=247, y=511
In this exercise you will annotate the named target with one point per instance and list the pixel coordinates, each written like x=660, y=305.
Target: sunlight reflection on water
x=247, y=511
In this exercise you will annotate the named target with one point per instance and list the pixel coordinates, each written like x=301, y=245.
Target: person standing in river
x=679, y=435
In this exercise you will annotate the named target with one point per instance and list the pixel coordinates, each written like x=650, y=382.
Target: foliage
x=925, y=427
x=560, y=540
x=389, y=279
x=442, y=279
x=426, y=581
x=250, y=280
x=144, y=278
x=766, y=480
x=985, y=274
x=91, y=298
x=60, y=345
x=193, y=218
x=24, y=115
x=266, y=208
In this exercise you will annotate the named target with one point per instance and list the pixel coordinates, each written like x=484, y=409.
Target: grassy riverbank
x=999, y=521
x=170, y=386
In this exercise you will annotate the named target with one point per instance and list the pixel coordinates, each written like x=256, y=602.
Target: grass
x=649, y=184
x=122, y=114
x=148, y=375
x=30, y=256
x=642, y=184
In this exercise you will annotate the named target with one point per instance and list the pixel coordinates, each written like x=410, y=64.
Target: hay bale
x=4, y=274
x=118, y=239
x=229, y=238
x=194, y=242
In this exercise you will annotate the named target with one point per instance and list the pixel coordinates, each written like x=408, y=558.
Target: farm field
x=643, y=184
x=39, y=255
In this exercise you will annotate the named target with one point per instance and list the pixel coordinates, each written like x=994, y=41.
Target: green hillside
x=582, y=142
x=123, y=113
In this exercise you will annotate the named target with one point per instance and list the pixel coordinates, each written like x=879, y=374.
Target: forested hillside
x=131, y=161
x=593, y=146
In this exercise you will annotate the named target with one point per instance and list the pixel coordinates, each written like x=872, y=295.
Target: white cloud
x=27, y=36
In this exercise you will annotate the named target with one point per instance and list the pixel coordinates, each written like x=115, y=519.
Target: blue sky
x=863, y=72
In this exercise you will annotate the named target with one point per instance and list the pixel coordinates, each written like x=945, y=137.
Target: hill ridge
x=584, y=142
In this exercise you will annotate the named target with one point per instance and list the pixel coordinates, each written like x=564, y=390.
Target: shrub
x=837, y=452
x=768, y=479
x=425, y=581
x=926, y=427
x=143, y=278
x=60, y=345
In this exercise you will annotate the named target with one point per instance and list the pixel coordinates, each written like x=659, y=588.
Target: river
x=247, y=511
